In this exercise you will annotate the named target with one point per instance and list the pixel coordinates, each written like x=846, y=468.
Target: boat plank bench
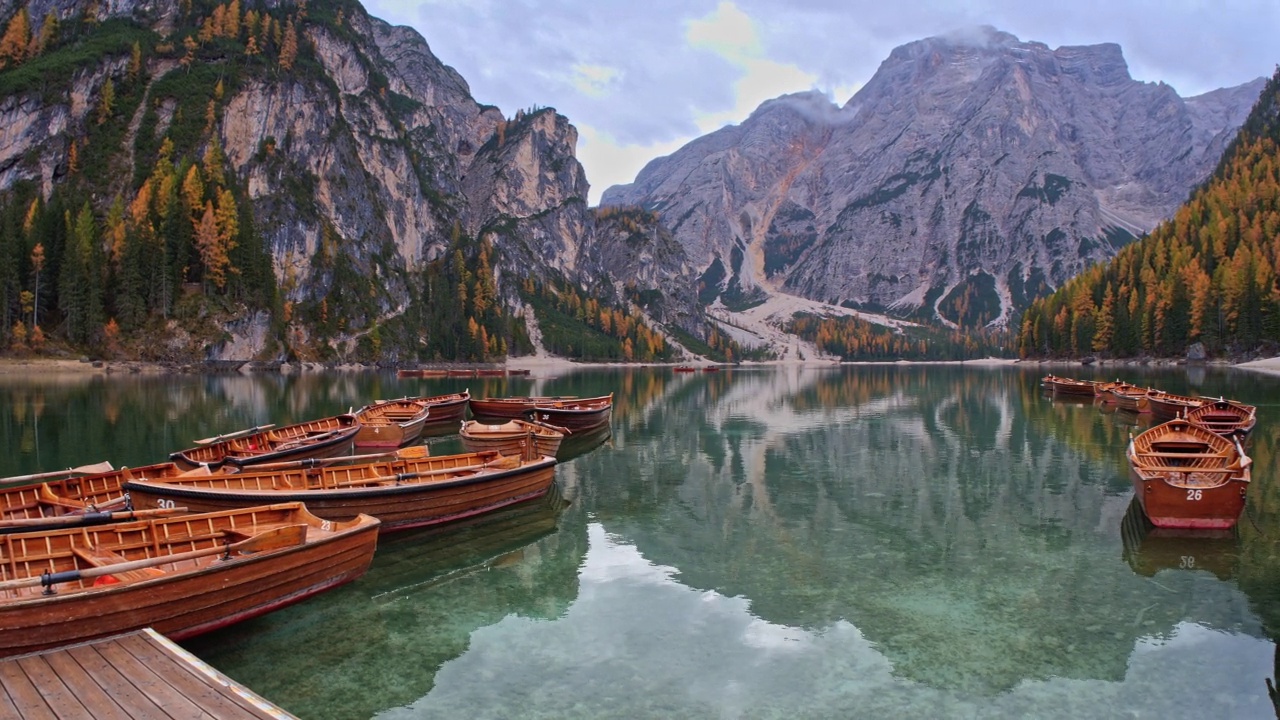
x=1186, y=469
x=102, y=557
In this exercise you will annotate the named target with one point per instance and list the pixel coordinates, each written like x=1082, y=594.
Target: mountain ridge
x=964, y=156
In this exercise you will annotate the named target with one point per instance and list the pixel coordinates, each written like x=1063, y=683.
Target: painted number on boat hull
x=1188, y=562
x=1193, y=495
x=166, y=504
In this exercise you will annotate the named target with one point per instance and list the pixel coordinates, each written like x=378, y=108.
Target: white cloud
x=609, y=162
x=733, y=35
x=595, y=81
x=728, y=32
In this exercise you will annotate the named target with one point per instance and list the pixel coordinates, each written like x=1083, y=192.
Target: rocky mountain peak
x=972, y=172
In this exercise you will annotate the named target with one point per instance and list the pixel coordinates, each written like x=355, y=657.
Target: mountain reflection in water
x=901, y=540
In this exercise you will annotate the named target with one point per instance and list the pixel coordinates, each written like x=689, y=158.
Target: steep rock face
x=532, y=191
x=632, y=255
x=969, y=175
x=367, y=159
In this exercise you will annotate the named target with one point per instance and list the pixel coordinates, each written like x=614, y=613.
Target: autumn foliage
x=1209, y=275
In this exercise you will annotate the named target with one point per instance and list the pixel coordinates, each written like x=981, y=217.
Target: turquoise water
x=862, y=541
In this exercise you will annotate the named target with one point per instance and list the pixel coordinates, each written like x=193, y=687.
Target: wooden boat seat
x=101, y=557
x=1185, y=469
x=1179, y=455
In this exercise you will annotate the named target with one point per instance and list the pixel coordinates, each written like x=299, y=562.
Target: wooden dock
x=140, y=674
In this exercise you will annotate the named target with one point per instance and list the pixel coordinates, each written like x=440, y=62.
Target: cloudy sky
x=641, y=79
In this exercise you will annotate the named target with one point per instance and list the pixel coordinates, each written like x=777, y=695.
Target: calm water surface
x=869, y=541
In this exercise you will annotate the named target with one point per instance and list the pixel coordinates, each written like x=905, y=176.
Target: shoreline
x=38, y=365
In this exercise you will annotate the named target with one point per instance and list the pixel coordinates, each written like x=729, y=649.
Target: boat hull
x=1164, y=406
x=319, y=439
x=1132, y=401
x=478, y=437
x=184, y=604
x=391, y=424
x=575, y=420
x=446, y=412
x=399, y=506
x=1174, y=504
x=519, y=408
x=576, y=415
x=1069, y=386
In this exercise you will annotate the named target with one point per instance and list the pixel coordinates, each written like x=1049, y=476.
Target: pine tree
x=16, y=38
x=210, y=247
x=106, y=101
x=289, y=46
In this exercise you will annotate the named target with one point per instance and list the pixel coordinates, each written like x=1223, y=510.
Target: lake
x=779, y=542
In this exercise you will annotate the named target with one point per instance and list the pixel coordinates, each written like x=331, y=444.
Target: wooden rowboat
x=1167, y=406
x=1186, y=476
x=328, y=437
x=420, y=373
x=514, y=437
x=684, y=369
x=100, y=497
x=444, y=412
x=182, y=575
x=576, y=415
x=1226, y=417
x=1106, y=390
x=66, y=502
x=402, y=493
x=510, y=408
x=1132, y=398
x=1069, y=386
x=391, y=423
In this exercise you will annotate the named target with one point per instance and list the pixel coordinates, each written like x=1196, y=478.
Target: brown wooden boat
x=421, y=373
x=514, y=437
x=506, y=408
x=182, y=575
x=1186, y=476
x=64, y=502
x=324, y=438
x=401, y=493
x=576, y=415
x=1106, y=390
x=1226, y=417
x=100, y=497
x=445, y=412
x=1070, y=386
x=1167, y=406
x=684, y=369
x=391, y=423
x=1133, y=399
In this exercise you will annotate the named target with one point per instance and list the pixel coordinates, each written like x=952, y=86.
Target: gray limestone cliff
x=969, y=175
x=372, y=145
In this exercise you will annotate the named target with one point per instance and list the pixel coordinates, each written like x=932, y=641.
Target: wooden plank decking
x=137, y=675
